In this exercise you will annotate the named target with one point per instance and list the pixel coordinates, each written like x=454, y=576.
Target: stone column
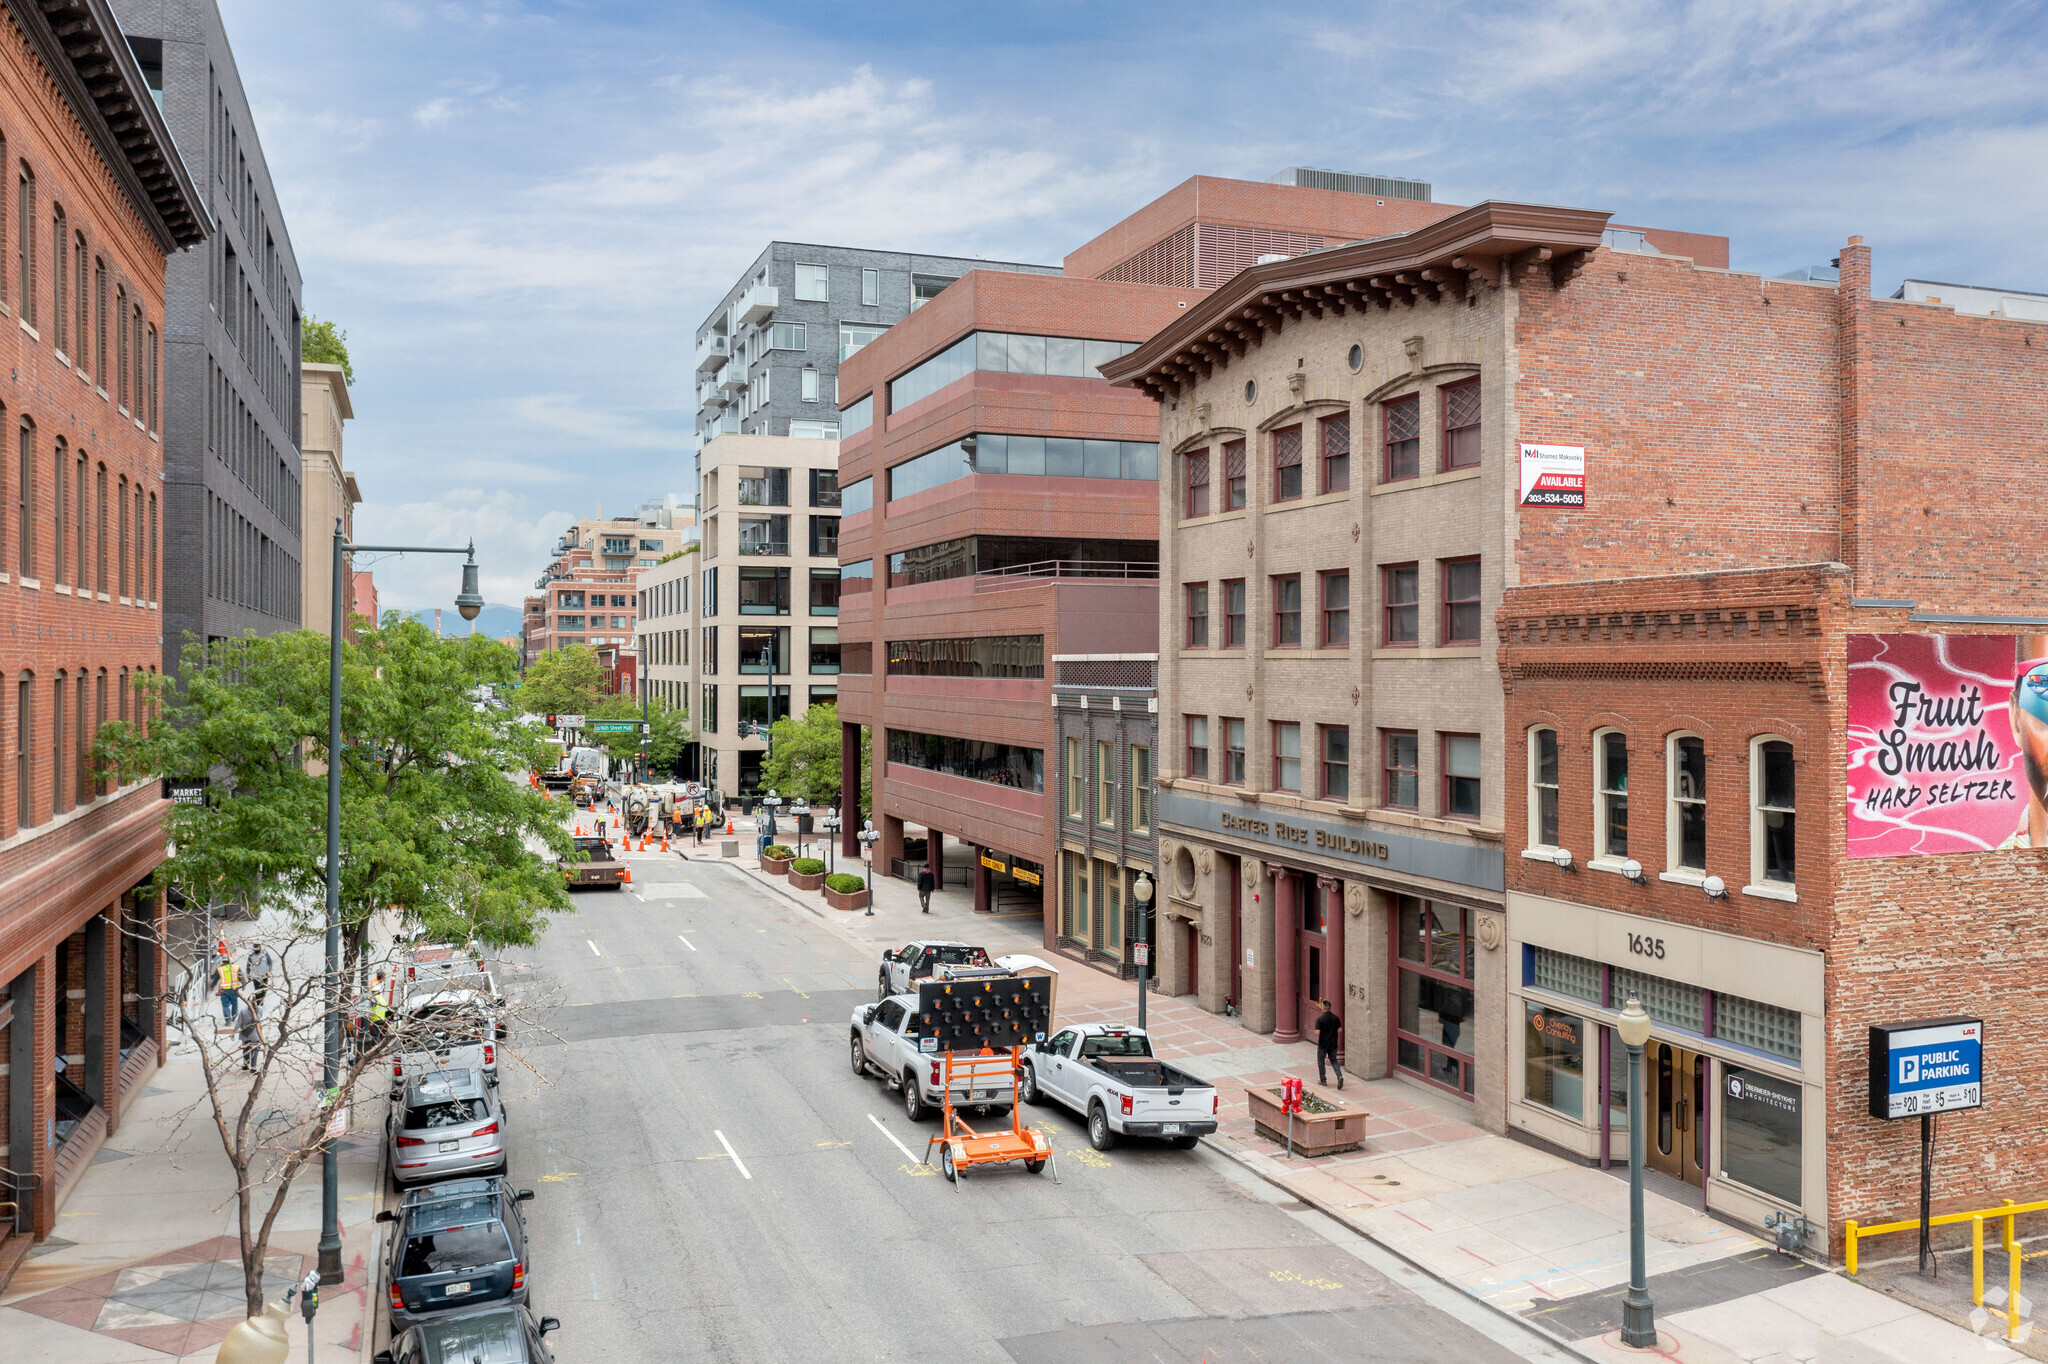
x=94, y=1013
x=1286, y=950
x=935, y=854
x=1257, y=916
x=849, y=790
x=1368, y=966
x=1332, y=891
x=151, y=971
x=40, y=1072
x=984, y=888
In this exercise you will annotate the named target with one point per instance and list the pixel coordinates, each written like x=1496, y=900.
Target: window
x=568, y=601
x=857, y=497
x=1461, y=601
x=764, y=591
x=824, y=599
x=1287, y=611
x=1554, y=1059
x=1197, y=615
x=988, y=656
x=1402, y=420
x=1233, y=613
x=824, y=648
x=1076, y=790
x=58, y=805
x=1433, y=961
x=709, y=712
x=853, y=336
x=763, y=487
x=813, y=283
x=1400, y=783
x=1461, y=776
x=1543, y=788
x=1198, y=746
x=24, y=752
x=709, y=598
x=1233, y=476
x=824, y=537
x=764, y=650
x=1195, y=472
x=25, y=244
x=1686, y=836
x=1105, y=782
x=1761, y=1136
x=785, y=336
x=711, y=650
x=1336, y=626
x=1610, y=809
x=1336, y=453
x=763, y=706
x=25, y=501
x=810, y=384
x=1774, y=823
x=1287, y=464
x=1461, y=425
x=1021, y=769
x=856, y=576
x=60, y=281
x=1233, y=752
x=1398, y=593
x=121, y=346
x=871, y=288
x=568, y=622
x=1141, y=789
x=99, y=324
x=1336, y=744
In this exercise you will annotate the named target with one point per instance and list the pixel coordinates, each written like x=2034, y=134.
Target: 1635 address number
x=1643, y=945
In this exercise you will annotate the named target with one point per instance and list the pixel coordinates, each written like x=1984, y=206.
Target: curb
x=1244, y=1160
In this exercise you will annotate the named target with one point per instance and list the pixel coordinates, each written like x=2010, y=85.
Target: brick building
x=100, y=200
x=585, y=596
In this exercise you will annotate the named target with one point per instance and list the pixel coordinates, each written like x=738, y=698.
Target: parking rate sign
x=1935, y=1065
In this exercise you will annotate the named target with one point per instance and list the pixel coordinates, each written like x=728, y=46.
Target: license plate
x=1169, y=1129
x=988, y=1094
x=451, y=1146
x=455, y=1290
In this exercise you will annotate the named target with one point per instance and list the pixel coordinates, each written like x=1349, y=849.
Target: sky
x=520, y=210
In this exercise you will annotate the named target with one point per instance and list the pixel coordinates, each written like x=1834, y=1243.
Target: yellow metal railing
x=2006, y=1212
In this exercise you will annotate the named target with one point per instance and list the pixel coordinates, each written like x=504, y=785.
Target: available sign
x=1553, y=475
x=1932, y=1065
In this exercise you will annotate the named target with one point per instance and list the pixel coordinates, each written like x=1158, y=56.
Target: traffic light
x=967, y=1015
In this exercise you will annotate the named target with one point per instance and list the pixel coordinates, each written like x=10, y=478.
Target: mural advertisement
x=1948, y=744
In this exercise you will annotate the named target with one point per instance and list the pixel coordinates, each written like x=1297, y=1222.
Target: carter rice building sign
x=1438, y=859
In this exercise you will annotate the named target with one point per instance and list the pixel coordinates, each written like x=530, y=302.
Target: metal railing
x=16, y=1183
x=1075, y=568
x=2006, y=1212
x=765, y=547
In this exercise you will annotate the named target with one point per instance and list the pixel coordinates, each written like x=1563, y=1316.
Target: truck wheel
x=1029, y=1087
x=1099, y=1134
x=946, y=1163
x=914, y=1106
x=860, y=1058
x=1186, y=1143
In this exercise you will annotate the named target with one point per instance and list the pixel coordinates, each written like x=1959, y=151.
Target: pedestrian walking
x=229, y=981
x=260, y=964
x=251, y=1035
x=1328, y=1028
x=925, y=886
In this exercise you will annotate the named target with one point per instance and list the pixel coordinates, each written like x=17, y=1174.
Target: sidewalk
x=146, y=1265
x=1530, y=1233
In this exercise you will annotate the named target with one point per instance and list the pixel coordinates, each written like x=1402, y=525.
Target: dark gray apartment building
x=768, y=355
x=233, y=541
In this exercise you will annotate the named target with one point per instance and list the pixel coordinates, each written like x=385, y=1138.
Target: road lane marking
x=908, y=1154
x=593, y=948
x=686, y=942
x=753, y=994
x=785, y=981
x=824, y=1146
x=729, y=1151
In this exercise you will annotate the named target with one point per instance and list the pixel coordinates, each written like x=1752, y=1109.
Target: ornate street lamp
x=1142, y=893
x=1638, y=1316
x=868, y=838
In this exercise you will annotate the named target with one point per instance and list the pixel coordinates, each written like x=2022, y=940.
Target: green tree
x=803, y=758
x=437, y=823
x=323, y=343
x=567, y=681
x=669, y=730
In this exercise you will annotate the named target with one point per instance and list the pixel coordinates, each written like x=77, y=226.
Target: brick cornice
x=54, y=886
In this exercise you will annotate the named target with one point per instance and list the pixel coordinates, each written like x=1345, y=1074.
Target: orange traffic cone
x=728, y=827
x=664, y=842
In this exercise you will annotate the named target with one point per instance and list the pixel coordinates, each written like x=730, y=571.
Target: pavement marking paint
x=753, y=994
x=686, y=942
x=892, y=1137
x=593, y=949
x=729, y=1151
x=785, y=981
x=832, y=1145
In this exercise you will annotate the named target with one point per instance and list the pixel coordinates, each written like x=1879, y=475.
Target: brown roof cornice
x=1473, y=249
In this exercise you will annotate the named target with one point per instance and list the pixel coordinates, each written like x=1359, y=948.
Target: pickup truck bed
x=1148, y=1075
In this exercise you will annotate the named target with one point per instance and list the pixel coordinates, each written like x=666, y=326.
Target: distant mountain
x=493, y=620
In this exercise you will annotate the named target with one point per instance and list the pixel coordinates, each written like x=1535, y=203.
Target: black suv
x=459, y=1244
x=489, y=1335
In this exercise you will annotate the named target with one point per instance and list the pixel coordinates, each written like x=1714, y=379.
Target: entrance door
x=1228, y=866
x=1675, y=1137
x=1194, y=932
x=1311, y=968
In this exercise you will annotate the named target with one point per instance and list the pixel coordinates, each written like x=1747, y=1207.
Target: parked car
x=448, y=1030
x=459, y=1244
x=593, y=864
x=495, y=1335
x=885, y=1042
x=450, y=1124
x=903, y=967
x=1108, y=1075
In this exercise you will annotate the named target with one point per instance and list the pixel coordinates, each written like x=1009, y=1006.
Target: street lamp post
x=798, y=810
x=868, y=837
x=1638, y=1315
x=829, y=825
x=469, y=602
x=1142, y=892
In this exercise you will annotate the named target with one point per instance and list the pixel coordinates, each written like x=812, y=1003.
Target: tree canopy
x=323, y=343
x=568, y=681
x=803, y=758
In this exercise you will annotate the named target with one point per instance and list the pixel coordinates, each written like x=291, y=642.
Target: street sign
x=1141, y=953
x=568, y=722
x=1931, y=1065
x=185, y=792
x=615, y=727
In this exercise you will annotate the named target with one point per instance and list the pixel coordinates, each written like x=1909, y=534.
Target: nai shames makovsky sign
x=1930, y=1065
x=1553, y=475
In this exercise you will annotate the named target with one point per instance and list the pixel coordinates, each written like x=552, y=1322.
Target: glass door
x=1432, y=994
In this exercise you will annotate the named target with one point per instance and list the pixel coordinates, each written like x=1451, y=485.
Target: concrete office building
x=233, y=529
x=330, y=492
x=768, y=355
x=666, y=628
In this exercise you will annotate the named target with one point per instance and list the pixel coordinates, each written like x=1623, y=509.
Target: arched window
x=24, y=750
x=60, y=511
x=155, y=564
x=60, y=280
x=121, y=702
x=25, y=242
x=99, y=722
x=99, y=324
x=58, y=752
x=99, y=520
x=25, y=493
x=81, y=577
x=141, y=389
x=1685, y=821
x=121, y=512
x=1543, y=794
x=154, y=370
x=81, y=745
x=121, y=348
x=1773, y=814
x=1610, y=795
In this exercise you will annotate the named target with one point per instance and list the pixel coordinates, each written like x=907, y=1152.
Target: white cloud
x=436, y=113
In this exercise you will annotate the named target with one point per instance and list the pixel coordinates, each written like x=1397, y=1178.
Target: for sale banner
x=1948, y=744
x=1553, y=475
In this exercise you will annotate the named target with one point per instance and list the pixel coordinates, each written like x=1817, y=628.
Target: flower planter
x=845, y=900
x=1340, y=1128
x=776, y=866
x=807, y=880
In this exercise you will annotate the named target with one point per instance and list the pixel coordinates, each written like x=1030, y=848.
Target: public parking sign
x=1931, y=1065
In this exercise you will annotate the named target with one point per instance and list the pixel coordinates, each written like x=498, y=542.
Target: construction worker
x=261, y=963
x=229, y=981
x=251, y=1036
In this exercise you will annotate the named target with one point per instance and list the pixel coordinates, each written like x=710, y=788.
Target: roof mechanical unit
x=1379, y=186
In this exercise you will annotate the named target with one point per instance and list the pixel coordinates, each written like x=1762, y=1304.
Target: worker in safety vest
x=230, y=989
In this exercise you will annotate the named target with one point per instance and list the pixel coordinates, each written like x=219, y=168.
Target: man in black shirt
x=1328, y=1026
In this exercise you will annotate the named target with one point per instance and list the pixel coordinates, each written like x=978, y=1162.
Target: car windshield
x=484, y=1339
x=444, y=1113
x=444, y=1025
x=960, y=956
x=454, y=1249
x=596, y=847
x=1115, y=1044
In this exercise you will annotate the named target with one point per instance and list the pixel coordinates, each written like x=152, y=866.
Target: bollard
x=1849, y=1247
x=2012, y=1240
x=1977, y=1260
x=2012, y=1295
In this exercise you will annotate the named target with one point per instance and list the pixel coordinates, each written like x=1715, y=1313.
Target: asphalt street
x=714, y=1183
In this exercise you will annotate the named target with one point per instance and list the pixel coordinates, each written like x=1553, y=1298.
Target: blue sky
x=520, y=209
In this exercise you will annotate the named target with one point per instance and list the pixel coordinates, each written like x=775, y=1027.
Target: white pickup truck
x=885, y=1042
x=1107, y=1075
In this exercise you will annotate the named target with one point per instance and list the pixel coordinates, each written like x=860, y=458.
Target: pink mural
x=1948, y=744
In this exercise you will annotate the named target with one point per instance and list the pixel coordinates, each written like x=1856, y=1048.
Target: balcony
x=765, y=547
x=1072, y=568
x=712, y=353
x=734, y=380
x=757, y=304
x=712, y=396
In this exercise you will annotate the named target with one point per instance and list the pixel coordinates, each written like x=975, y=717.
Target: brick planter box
x=808, y=880
x=1342, y=1128
x=843, y=900
x=776, y=866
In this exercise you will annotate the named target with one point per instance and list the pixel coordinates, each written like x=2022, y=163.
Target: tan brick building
x=327, y=489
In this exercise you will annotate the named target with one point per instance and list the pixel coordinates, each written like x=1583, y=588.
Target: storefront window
x=1760, y=1133
x=1553, y=1047
x=1433, y=1002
